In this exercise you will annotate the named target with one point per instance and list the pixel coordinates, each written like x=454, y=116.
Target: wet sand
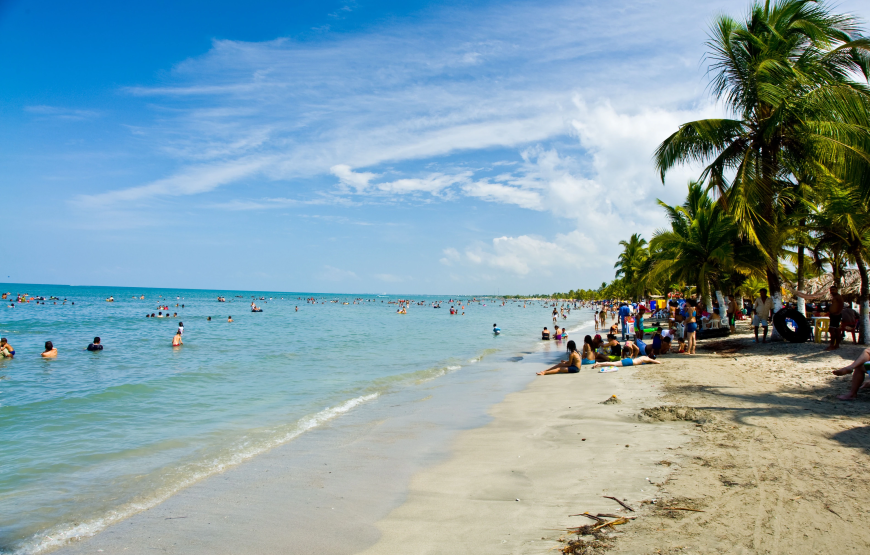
x=437, y=478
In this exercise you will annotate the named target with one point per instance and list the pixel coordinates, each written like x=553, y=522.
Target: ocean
x=89, y=438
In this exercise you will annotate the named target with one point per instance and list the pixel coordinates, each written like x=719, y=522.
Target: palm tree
x=630, y=263
x=786, y=74
x=843, y=229
x=699, y=247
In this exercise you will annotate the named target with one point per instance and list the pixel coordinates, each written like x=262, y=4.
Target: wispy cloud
x=460, y=82
x=61, y=113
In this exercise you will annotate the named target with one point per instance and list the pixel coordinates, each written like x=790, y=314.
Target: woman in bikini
x=627, y=360
x=570, y=366
x=588, y=354
x=691, y=325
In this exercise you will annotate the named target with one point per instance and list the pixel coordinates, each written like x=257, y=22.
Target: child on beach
x=682, y=345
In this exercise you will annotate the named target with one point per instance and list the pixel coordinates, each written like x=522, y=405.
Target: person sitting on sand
x=6, y=350
x=627, y=360
x=570, y=366
x=176, y=339
x=50, y=351
x=588, y=354
x=858, y=369
x=545, y=335
x=612, y=345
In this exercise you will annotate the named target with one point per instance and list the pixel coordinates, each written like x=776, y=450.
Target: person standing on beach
x=762, y=308
x=692, y=326
x=732, y=313
x=624, y=312
x=836, y=312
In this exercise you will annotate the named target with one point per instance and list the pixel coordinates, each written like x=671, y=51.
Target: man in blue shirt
x=624, y=312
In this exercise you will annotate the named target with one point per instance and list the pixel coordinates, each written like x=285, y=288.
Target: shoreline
x=356, y=468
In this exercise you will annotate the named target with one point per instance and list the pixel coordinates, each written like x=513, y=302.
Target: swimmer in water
x=176, y=340
x=229, y=319
x=50, y=351
x=6, y=350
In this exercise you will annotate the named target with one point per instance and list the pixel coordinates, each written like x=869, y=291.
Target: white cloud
x=526, y=254
x=359, y=181
x=451, y=255
x=193, y=180
x=496, y=192
x=433, y=183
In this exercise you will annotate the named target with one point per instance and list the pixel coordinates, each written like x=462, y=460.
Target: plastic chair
x=852, y=329
x=822, y=326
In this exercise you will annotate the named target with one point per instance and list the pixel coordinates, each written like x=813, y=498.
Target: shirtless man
x=858, y=371
x=6, y=350
x=50, y=350
x=763, y=307
x=732, y=313
x=176, y=339
x=836, y=313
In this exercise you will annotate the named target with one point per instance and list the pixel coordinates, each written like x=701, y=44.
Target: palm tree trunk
x=801, y=303
x=775, y=285
x=708, y=298
x=864, y=299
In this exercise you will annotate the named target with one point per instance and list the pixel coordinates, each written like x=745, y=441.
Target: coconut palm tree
x=843, y=230
x=786, y=73
x=630, y=263
x=699, y=248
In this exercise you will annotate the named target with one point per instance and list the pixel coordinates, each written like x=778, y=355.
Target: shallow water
x=89, y=438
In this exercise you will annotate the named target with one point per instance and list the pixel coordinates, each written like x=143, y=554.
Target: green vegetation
x=786, y=179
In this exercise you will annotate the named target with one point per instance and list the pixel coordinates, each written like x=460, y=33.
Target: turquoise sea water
x=89, y=438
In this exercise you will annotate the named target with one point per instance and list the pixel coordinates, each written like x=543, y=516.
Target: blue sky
x=417, y=147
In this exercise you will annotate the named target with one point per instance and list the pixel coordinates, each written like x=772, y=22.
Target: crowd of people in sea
x=626, y=342
x=164, y=311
